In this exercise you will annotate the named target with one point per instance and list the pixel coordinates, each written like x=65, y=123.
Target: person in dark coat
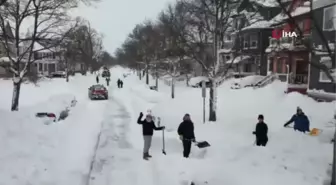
x=187, y=135
x=118, y=83
x=301, y=121
x=261, y=132
x=121, y=84
x=148, y=126
x=108, y=81
x=97, y=79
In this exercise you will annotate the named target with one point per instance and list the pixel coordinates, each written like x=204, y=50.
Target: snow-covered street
x=100, y=142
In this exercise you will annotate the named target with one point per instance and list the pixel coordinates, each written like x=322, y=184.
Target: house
x=47, y=60
x=244, y=46
x=320, y=85
x=288, y=57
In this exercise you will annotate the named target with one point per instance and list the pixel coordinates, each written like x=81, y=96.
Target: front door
x=301, y=72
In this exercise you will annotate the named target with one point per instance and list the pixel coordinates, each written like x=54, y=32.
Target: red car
x=98, y=92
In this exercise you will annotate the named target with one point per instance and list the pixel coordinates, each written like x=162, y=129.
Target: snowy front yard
x=62, y=153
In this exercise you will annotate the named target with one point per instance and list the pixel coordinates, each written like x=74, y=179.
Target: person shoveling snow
x=301, y=121
x=187, y=135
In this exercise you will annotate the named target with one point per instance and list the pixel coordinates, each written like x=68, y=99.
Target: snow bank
x=59, y=153
x=249, y=80
x=289, y=158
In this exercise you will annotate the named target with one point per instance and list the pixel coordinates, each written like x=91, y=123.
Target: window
x=248, y=68
x=45, y=66
x=329, y=18
x=40, y=67
x=301, y=25
x=327, y=62
x=254, y=41
x=279, y=66
x=246, y=41
x=227, y=38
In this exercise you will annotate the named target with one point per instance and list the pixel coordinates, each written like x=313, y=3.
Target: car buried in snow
x=98, y=92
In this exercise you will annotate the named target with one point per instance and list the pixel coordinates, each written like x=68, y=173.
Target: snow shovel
x=163, y=143
x=202, y=144
x=199, y=144
x=315, y=132
x=163, y=140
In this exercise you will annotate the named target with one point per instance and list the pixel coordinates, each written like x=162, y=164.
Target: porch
x=47, y=67
x=291, y=67
x=243, y=65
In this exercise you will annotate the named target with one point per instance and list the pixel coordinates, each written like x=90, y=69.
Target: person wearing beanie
x=148, y=126
x=187, y=135
x=301, y=121
x=261, y=132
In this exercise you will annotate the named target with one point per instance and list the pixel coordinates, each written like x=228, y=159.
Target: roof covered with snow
x=266, y=3
x=297, y=12
x=238, y=59
x=322, y=3
x=259, y=24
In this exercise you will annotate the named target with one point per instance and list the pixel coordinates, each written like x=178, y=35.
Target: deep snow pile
x=289, y=158
x=60, y=153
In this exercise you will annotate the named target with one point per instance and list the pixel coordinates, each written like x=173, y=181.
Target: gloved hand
x=285, y=125
x=163, y=127
x=181, y=137
x=141, y=114
x=254, y=132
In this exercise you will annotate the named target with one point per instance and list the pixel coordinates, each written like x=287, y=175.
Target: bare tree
x=48, y=19
x=87, y=43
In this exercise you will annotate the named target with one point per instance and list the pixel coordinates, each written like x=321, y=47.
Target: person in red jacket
x=148, y=126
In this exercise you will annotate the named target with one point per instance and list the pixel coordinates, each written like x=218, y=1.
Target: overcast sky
x=117, y=18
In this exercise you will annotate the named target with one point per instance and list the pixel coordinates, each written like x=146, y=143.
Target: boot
x=148, y=155
x=145, y=157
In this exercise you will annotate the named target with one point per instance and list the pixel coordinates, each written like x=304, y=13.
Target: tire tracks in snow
x=116, y=161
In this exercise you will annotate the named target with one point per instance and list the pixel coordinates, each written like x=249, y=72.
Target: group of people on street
x=120, y=83
x=107, y=79
x=185, y=131
x=301, y=124
x=187, y=135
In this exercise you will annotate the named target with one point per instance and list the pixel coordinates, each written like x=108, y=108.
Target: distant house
x=320, y=86
x=288, y=57
x=244, y=46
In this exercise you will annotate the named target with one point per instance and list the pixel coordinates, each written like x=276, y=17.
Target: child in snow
x=261, y=132
x=148, y=126
x=301, y=121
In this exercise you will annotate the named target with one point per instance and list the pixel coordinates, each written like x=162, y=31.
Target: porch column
x=268, y=65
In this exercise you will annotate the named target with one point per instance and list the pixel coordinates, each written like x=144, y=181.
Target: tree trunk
x=157, y=81
x=16, y=95
x=140, y=75
x=213, y=101
x=173, y=88
x=188, y=79
x=147, y=76
x=66, y=71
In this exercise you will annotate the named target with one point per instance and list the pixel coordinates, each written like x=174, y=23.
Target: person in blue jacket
x=301, y=121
